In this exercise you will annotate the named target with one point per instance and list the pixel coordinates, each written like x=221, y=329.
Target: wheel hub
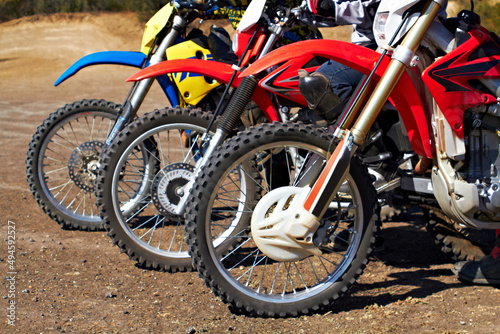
x=83, y=165
x=167, y=188
x=282, y=228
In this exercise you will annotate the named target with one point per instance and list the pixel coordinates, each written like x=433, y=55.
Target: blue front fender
x=126, y=58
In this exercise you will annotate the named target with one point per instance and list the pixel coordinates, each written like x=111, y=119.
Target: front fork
x=230, y=120
x=139, y=90
x=232, y=114
x=356, y=123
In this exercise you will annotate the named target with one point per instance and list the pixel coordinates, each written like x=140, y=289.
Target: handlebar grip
x=191, y=5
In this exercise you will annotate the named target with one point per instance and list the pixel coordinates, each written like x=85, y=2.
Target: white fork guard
x=282, y=228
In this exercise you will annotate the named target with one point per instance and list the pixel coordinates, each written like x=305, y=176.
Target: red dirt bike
x=300, y=203
x=141, y=204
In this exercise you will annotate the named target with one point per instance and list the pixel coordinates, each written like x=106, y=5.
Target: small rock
x=191, y=330
x=110, y=294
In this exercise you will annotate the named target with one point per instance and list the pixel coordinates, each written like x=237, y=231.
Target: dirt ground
x=70, y=281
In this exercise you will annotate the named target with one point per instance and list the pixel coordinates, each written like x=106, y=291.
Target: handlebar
x=301, y=9
x=303, y=14
x=199, y=6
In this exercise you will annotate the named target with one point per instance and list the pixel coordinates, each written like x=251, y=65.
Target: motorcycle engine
x=482, y=165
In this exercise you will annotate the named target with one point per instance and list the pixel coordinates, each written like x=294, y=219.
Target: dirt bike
x=299, y=242
x=142, y=204
x=62, y=159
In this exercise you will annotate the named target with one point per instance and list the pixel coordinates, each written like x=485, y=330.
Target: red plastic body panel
x=449, y=79
x=255, y=50
x=212, y=69
x=288, y=59
x=243, y=38
x=219, y=71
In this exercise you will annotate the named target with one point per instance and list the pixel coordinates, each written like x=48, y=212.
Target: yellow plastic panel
x=193, y=87
x=154, y=26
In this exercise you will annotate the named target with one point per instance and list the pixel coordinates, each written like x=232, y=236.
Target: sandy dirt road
x=72, y=281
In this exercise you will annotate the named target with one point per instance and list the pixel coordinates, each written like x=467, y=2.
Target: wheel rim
x=67, y=165
x=246, y=268
x=138, y=190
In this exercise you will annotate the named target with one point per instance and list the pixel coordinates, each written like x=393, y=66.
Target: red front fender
x=405, y=97
x=219, y=71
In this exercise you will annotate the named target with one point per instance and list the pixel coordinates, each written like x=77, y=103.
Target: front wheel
x=265, y=158
x=138, y=201
x=63, y=159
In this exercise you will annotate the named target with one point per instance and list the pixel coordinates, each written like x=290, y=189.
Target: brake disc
x=168, y=188
x=83, y=165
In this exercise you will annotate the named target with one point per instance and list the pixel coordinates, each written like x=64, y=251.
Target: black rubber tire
x=47, y=134
x=206, y=258
x=461, y=243
x=113, y=158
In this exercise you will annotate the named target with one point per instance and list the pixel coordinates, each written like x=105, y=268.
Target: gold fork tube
x=393, y=73
x=349, y=120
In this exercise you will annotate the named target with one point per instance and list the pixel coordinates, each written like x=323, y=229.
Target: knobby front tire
x=131, y=194
x=245, y=277
x=62, y=162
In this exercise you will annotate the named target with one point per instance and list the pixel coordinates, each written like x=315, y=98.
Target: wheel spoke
x=56, y=171
x=161, y=151
x=71, y=185
x=173, y=238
